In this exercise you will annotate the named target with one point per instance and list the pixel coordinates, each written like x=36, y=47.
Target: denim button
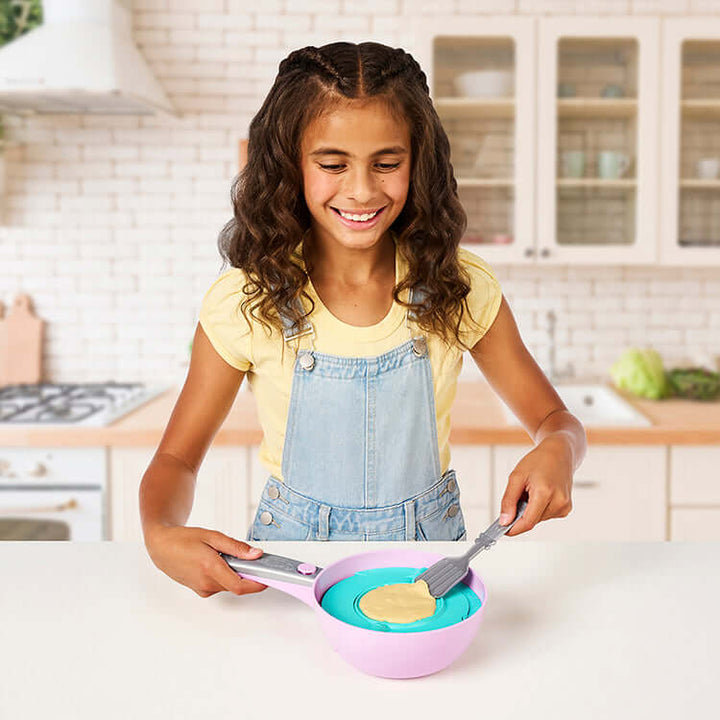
x=307, y=361
x=273, y=492
x=453, y=510
x=419, y=346
x=452, y=485
x=265, y=517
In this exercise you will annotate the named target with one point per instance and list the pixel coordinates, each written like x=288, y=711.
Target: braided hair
x=270, y=216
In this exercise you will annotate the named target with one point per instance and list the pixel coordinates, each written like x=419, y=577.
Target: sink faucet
x=553, y=374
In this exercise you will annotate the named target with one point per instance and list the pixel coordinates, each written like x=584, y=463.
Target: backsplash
x=110, y=223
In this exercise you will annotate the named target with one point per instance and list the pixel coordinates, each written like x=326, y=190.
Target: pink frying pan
x=386, y=654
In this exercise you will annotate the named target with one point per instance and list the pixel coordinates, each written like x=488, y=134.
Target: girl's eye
x=383, y=166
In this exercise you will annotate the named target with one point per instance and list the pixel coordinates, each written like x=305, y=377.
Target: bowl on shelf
x=485, y=83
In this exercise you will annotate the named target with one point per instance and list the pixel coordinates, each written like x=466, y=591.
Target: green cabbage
x=641, y=372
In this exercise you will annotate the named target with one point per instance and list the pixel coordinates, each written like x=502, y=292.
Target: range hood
x=82, y=59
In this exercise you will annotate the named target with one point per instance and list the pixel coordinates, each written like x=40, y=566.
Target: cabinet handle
x=71, y=504
x=529, y=252
x=545, y=252
x=585, y=483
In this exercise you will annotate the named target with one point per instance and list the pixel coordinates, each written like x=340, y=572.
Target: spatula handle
x=489, y=537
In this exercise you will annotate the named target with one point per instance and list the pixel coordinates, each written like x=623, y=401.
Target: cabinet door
x=220, y=494
x=472, y=464
x=694, y=493
x=482, y=81
x=618, y=494
x=597, y=139
x=690, y=179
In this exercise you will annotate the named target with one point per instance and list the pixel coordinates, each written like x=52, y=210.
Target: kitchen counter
x=477, y=418
x=582, y=630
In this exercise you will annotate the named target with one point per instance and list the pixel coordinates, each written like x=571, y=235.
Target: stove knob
x=38, y=470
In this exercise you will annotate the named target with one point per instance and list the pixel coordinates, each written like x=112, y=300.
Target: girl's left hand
x=546, y=474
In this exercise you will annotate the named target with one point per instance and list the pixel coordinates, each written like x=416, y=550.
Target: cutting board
x=21, y=333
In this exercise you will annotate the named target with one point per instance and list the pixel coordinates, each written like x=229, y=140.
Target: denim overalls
x=360, y=459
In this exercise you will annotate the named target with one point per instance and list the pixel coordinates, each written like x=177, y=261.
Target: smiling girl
x=348, y=306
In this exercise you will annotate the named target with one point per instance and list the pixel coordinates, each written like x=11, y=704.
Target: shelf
x=701, y=108
x=596, y=182
x=485, y=182
x=697, y=183
x=593, y=107
x=459, y=107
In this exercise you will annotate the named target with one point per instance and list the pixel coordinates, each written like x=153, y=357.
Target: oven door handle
x=71, y=504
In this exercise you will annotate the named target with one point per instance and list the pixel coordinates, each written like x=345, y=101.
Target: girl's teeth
x=357, y=218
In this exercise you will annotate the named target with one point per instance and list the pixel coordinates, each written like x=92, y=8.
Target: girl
x=348, y=306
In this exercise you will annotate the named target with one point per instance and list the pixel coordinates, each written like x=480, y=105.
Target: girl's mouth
x=359, y=224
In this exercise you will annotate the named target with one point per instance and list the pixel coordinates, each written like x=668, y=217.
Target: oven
x=59, y=493
x=53, y=493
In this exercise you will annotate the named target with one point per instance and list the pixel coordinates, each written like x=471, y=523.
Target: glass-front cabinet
x=597, y=140
x=482, y=82
x=690, y=185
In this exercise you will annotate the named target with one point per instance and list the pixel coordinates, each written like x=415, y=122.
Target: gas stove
x=83, y=404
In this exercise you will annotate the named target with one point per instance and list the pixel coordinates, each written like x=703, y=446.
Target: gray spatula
x=445, y=574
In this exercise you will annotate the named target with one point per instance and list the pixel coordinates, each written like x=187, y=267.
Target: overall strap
x=289, y=332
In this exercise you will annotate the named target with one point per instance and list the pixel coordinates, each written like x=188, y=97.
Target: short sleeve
x=223, y=321
x=483, y=300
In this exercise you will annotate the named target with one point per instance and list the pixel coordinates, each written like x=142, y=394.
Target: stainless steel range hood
x=82, y=59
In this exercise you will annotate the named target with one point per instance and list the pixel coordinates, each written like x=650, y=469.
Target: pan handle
x=294, y=577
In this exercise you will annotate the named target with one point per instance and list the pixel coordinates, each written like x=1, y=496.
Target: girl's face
x=355, y=159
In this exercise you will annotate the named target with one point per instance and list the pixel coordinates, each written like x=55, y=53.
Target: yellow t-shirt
x=249, y=348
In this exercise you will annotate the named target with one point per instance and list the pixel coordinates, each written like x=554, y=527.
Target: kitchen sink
x=593, y=405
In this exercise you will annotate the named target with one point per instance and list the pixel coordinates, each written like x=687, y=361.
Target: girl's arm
x=168, y=486
x=560, y=442
x=190, y=554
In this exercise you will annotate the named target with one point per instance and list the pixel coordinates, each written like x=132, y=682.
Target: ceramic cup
x=708, y=168
x=573, y=164
x=612, y=164
x=612, y=90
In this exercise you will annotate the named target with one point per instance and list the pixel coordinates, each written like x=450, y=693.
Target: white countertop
x=571, y=630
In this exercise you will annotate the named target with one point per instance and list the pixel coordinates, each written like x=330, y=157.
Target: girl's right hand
x=190, y=556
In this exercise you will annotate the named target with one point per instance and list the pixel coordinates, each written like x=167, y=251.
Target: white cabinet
x=597, y=139
x=491, y=130
x=220, y=501
x=695, y=493
x=587, y=140
x=690, y=179
x=619, y=494
x=472, y=465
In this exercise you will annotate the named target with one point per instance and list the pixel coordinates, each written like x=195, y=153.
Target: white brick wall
x=111, y=223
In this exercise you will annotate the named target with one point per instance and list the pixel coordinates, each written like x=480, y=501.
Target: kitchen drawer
x=220, y=493
x=619, y=494
x=694, y=475
x=695, y=525
x=474, y=473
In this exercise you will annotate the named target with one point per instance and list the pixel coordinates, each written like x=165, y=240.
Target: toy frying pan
x=376, y=652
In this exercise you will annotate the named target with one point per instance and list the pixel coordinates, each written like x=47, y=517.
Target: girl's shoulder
x=484, y=299
x=222, y=299
x=477, y=267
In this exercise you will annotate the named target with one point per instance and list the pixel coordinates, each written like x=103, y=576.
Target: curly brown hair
x=270, y=213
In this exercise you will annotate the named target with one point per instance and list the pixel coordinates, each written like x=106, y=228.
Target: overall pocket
x=445, y=523
x=272, y=521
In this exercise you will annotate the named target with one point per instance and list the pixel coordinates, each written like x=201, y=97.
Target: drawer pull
x=69, y=505
x=585, y=483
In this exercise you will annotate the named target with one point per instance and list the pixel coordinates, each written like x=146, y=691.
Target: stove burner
x=63, y=402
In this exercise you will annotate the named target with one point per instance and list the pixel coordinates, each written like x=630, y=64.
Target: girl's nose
x=360, y=185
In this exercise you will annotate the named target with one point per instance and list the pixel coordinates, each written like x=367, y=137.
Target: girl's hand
x=189, y=555
x=545, y=473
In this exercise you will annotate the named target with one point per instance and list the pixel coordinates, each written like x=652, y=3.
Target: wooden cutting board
x=21, y=333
